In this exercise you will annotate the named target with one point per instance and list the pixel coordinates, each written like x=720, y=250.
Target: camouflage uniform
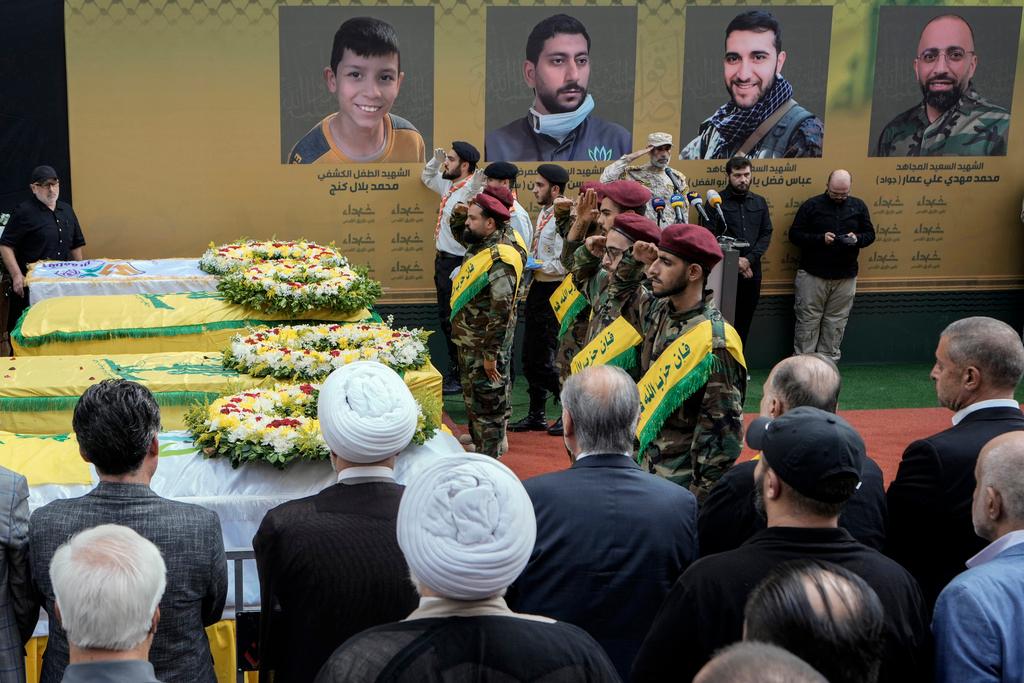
x=575, y=337
x=974, y=127
x=799, y=134
x=482, y=330
x=655, y=180
x=606, y=292
x=703, y=438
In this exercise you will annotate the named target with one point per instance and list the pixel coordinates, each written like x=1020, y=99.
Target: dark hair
x=366, y=37
x=839, y=487
x=798, y=384
x=549, y=28
x=757, y=21
x=736, y=163
x=752, y=662
x=838, y=632
x=115, y=422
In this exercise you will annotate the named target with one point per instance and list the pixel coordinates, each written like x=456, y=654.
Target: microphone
x=678, y=203
x=698, y=203
x=715, y=202
x=658, y=204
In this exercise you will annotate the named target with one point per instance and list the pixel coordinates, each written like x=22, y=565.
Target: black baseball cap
x=808, y=447
x=41, y=173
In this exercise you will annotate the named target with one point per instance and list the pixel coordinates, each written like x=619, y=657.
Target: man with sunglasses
x=952, y=119
x=40, y=229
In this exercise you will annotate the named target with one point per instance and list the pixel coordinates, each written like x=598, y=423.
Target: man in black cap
x=449, y=174
x=40, y=229
x=504, y=174
x=809, y=467
x=545, y=273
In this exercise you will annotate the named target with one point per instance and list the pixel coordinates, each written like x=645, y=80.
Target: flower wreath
x=298, y=286
x=228, y=257
x=311, y=352
x=278, y=426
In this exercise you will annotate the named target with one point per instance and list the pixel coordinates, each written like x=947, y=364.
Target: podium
x=724, y=276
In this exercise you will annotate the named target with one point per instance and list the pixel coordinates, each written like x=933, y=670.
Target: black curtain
x=33, y=97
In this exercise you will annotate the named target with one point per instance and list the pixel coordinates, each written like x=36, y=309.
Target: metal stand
x=725, y=275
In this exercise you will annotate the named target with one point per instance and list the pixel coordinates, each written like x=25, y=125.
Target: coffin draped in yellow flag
x=677, y=374
x=614, y=345
x=472, y=276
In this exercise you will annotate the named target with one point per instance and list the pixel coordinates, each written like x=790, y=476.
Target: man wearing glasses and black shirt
x=953, y=119
x=830, y=229
x=40, y=229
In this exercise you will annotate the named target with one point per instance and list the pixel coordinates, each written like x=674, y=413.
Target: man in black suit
x=611, y=538
x=331, y=562
x=116, y=423
x=978, y=364
x=728, y=516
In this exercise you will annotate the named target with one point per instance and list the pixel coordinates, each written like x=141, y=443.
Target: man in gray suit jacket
x=116, y=423
x=18, y=610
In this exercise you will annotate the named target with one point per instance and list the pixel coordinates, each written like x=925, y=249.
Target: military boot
x=533, y=422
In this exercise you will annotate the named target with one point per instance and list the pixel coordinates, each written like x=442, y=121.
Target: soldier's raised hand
x=595, y=245
x=645, y=252
x=440, y=155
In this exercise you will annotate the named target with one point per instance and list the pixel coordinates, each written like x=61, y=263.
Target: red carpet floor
x=886, y=433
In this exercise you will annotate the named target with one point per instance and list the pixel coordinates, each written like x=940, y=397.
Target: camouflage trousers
x=571, y=343
x=487, y=403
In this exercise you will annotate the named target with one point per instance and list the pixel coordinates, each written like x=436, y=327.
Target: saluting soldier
x=693, y=372
x=656, y=175
x=484, y=313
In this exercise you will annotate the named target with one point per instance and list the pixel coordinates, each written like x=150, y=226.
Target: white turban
x=366, y=412
x=466, y=527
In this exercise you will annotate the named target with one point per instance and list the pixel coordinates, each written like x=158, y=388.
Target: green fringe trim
x=172, y=331
x=166, y=399
x=570, y=315
x=684, y=389
x=626, y=360
x=474, y=288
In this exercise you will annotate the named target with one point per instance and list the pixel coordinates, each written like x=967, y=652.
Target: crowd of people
x=797, y=566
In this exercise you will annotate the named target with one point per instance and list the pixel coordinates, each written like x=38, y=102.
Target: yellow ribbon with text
x=614, y=345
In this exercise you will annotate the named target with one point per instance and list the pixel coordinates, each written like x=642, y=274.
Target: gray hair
x=807, y=380
x=1002, y=468
x=108, y=582
x=604, y=405
x=990, y=345
x=753, y=662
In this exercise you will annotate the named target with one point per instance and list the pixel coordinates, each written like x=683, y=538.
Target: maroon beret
x=595, y=185
x=501, y=193
x=636, y=227
x=692, y=243
x=627, y=193
x=491, y=205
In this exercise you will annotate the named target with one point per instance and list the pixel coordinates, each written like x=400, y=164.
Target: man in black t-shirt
x=40, y=229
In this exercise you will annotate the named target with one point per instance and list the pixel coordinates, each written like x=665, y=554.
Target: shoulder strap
x=766, y=125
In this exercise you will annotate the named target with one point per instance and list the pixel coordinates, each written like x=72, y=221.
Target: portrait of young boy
x=365, y=75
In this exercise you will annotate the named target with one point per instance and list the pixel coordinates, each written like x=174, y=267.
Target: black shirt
x=728, y=516
x=747, y=219
x=35, y=233
x=704, y=611
x=818, y=215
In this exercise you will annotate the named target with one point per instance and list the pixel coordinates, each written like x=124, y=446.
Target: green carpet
x=865, y=387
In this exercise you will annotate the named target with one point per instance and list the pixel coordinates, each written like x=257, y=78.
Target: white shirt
x=365, y=472
x=547, y=247
x=981, y=405
x=446, y=607
x=521, y=223
x=590, y=453
x=996, y=547
x=451, y=194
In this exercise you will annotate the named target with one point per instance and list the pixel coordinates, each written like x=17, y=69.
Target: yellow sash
x=677, y=374
x=473, y=275
x=614, y=345
x=567, y=302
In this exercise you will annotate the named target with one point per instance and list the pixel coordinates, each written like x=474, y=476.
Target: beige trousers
x=822, y=308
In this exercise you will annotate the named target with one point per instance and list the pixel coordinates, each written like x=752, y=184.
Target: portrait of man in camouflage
x=952, y=119
x=761, y=120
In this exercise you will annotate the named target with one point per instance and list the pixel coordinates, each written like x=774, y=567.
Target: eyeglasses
x=953, y=55
x=613, y=253
x=48, y=185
